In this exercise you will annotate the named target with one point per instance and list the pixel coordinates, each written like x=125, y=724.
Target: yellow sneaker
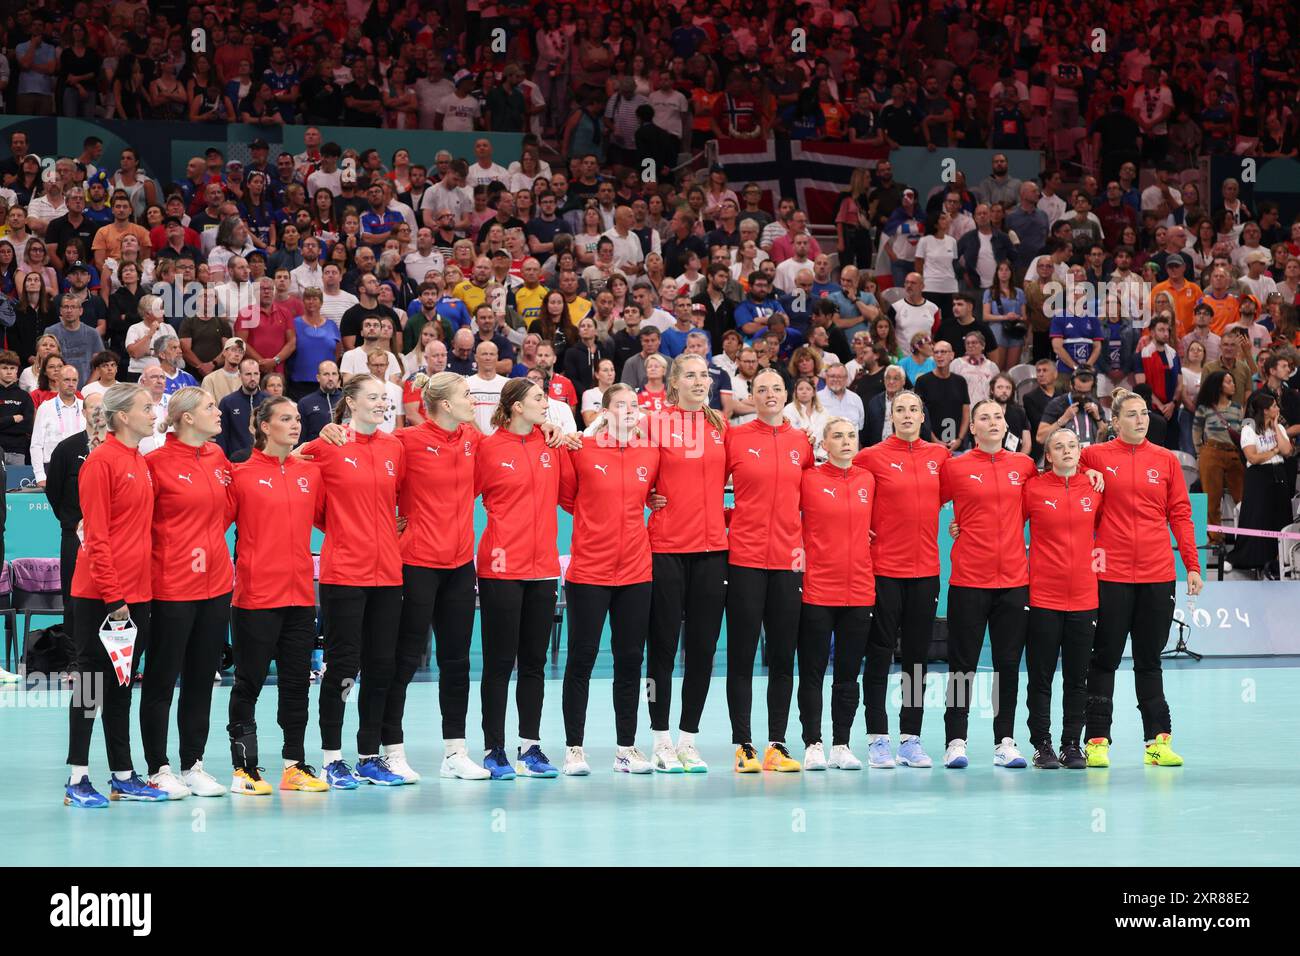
x=249, y=781
x=747, y=759
x=777, y=758
x=302, y=777
x=1097, y=752
x=1160, y=754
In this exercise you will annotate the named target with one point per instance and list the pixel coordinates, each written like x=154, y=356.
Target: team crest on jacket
x=469, y=448
x=1014, y=478
x=1153, y=476
x=642, y=473
x=717, y=437
x=222, y=476
x=933, y=466
x=1086, y=504
x=304, y=486
x=794, y=456
x=545, y=459
x=388, y=467
x=862, y=495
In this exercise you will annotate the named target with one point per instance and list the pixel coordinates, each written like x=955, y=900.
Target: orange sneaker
x=777, y=758
x=302, y=777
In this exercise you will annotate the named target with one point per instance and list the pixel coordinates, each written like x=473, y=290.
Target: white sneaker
x=395, y=757
x=665, y=760
x=631, y=760
x=169, y=783
x=954, y=758
x=575, y=762
x=842, y=758
x=1005, y=754
x=457, y=765
x=217, y=678
x=814, y=757
x=8, y=677
x=202, y=783
x=691, y=760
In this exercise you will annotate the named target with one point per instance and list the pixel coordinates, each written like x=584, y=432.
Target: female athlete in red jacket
x=609, y=572
x=688, y=544
x=192, y=580
x=1146, y=498
x=113, y=579
x=1062, y=509
x=839, y=589
x=518, y=476
x=988, y=587
x=275, y=500
x=766, y=459
x=905, y=554
x=360, y=579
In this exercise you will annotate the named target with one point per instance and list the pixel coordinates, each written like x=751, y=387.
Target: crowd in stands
x=290, y=272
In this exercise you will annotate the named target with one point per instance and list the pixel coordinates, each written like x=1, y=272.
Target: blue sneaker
x=880, y=756
x=375, y=770
x=339, y=776
x=83, y=795
x=912, y=754
x=497, y=764
x=533, y=763
x=134, y=788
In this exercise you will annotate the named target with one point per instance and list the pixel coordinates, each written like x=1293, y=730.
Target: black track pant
x=360, y=635
x=1145, y=611
x=445, y=598
x=516, y=624
x=188, y=640
x=69, y=545
x=904, y=616
x=687, y=596
x=852, y=629
x=768, y=600
x=1005, y=613
x=286, y=635
x=97, y=691
x=1069, y=636
x=628, y=609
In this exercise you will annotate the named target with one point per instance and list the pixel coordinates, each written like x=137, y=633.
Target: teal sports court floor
x=1235, y=802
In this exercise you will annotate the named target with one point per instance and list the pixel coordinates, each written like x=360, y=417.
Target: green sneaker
x=1160, y=754
x=1097, y=752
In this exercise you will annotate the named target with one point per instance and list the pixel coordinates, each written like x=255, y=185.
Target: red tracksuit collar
x=173, y=445
x=440, y=433
x=262, y=458
x=898, y=444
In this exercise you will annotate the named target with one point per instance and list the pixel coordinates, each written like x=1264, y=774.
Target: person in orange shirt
x=1182, y=292
x=108, y=240
x=1226, y=306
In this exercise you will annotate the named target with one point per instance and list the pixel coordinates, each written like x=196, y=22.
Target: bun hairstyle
x=435, y=388
x=1122, y=395
x=515, y=390
x=182, y=402
x=118, y=398
x=261, y=416
x=350, y=391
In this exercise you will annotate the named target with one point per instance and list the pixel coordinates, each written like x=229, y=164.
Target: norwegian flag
x=814, y=172
x=118, y=638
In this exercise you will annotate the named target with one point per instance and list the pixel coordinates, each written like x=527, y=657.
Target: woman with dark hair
x=130, y=89
x=324, y=220
x=1266, y=501
x=8, y=270
x=33, y=314
x=1216, y=432
x=518, y=477
x=554, y=324
x=124, y=312
x=275, y=499
x=256, y=211
x=78, y=73
x=804, y=119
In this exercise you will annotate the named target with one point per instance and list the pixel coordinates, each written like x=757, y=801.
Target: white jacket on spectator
x=54, y=422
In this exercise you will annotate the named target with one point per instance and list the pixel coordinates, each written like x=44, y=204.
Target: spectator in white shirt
x=308, y=274
x=357, y=361
x=484, y=172
x=56, y=419
x=977, y=370
x=334, y=301
x=836, y=398
x=628, y=255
